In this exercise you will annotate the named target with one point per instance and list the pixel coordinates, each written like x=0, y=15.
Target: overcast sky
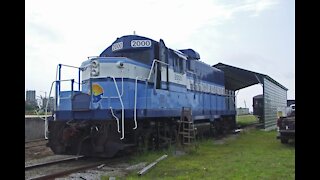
x=257, y=35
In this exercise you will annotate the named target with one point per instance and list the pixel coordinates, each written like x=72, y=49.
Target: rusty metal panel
x=275, y=97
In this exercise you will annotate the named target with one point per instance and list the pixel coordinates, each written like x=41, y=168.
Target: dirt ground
x=36, y=150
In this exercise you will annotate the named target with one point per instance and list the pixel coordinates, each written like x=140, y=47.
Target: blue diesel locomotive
x=133, y=95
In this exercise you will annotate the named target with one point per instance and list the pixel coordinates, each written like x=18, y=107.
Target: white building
x=242, y=111
x=31, y=97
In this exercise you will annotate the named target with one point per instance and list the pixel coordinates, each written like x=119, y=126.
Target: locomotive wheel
x=284, y=140
x=217, y=130
x=173, y=135
x=142, y=140
x=141, y=145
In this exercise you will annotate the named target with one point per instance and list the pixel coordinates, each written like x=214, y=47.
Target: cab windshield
x=143, y=56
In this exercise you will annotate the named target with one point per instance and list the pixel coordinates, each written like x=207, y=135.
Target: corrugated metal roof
x=237, y=78
x=258, y=96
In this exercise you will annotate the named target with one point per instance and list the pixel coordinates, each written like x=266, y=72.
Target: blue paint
x=166, y=103
x=105, y=115
x=151, y=102
x=126, y=44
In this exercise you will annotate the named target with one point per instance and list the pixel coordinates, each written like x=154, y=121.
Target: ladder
x=186, y=131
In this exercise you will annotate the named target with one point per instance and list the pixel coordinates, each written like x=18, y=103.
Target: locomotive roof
x=192, y=54
x=129, y=38
x=183, y=53
x=125, y=40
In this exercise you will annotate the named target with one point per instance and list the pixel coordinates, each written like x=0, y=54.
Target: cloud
x=73, y=20
x=39, y=30
x=69, y=31
x=253, y=6
x=289, y=75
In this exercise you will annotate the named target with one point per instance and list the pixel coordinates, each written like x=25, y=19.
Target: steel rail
x=52, y=162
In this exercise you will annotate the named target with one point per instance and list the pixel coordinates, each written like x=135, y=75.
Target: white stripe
x=132, y=71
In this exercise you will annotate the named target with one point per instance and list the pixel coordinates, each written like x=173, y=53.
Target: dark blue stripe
x=141, y=114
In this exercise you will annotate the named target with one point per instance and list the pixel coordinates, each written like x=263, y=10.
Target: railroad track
x=35, y=143
x=52, y=162
x=63, y=167
x=35, y=140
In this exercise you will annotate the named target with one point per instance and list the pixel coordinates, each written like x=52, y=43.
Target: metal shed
x=274, y=94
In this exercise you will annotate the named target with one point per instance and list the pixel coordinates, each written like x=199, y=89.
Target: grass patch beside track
x=253, y=154
x=244, y=120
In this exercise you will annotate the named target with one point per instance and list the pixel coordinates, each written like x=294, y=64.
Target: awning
x=237, y=78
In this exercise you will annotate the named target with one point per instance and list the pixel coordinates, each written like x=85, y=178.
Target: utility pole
x=45, y=94
x=44, y=100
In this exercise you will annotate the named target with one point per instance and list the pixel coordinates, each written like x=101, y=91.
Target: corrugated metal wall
x=275, y=97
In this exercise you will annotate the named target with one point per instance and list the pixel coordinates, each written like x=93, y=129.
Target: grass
x=252, y=154
x=244, y=120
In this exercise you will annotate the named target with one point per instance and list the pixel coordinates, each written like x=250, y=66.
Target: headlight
x=94, y=68
x=95, y=64
x=94, y=72
x=120, y=64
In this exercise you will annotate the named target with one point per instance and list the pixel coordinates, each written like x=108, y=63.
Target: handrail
x=122, y=118
x=58, y=73
x=70, y=66
x=121, y=86
x=55, y=107
x=105, y=97
x=135, y=104
x=45, y=118
x=117, y=119
x=155, y=60
x=64, y=80
x=136, y=91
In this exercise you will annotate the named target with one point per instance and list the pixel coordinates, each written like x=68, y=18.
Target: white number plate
x=117, y=46
x=140, y=43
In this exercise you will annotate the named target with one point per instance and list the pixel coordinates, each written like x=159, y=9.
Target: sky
x=256, y=35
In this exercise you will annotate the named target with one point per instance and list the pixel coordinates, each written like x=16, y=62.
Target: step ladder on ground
x=187, y=131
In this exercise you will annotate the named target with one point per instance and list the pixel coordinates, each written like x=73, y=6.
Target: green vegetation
x=253, y=154
x=29, y=107
x=244, y=120
x=34, y=110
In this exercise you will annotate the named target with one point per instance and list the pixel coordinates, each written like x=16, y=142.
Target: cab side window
x=178, y=65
